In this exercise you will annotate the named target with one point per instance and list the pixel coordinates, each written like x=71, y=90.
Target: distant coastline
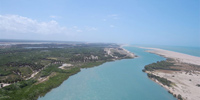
x=186, y=81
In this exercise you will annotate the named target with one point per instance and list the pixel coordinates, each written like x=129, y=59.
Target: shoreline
x=185, y=82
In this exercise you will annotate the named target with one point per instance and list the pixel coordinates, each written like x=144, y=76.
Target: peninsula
x=179, y=74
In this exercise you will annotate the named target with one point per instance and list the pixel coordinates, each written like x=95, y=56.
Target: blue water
x=194, y=51
x=118, y=80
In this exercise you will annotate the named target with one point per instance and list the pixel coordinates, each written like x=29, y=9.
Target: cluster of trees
x=119, y=55
x=24, y=64
x=19, y=85
x=179, y=97
x=11, y=80
x=160, y=79
x=164, y=65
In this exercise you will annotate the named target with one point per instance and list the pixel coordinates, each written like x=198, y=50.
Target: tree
x=180, y=97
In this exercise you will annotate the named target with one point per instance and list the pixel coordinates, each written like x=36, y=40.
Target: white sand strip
x=185, y=58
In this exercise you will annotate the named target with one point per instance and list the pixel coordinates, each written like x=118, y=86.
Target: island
x=31, y=69
x=179, y=73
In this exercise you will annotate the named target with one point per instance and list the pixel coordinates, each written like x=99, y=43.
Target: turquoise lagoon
x=117, y=80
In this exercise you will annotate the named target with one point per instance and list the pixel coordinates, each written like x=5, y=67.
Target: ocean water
x=194, y=51
x=117, y=80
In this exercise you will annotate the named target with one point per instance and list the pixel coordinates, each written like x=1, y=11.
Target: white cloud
x=79, y=31
x=19, y=27
x=75, y=27
x=82, y=29
x=18, y=24
x=87, y=28
x=104, y=20
x=114, y=16
x=54, y=17
x=111, y=17
x=112, y=26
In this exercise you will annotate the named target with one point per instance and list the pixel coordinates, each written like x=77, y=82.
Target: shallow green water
x=118, y=80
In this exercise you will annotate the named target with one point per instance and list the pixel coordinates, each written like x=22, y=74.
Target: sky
x=157, y=22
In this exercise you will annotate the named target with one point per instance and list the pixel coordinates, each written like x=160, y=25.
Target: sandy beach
x=185, y=81
x=180, y=57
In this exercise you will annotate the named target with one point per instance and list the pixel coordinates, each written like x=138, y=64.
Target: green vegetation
x=118, y=54
x=29, y=90
x=180, y=97
x=160, y=79
x=92, y=64
x=25, y=71
x=19, y=62
x=52, y=68
x=160, y=65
